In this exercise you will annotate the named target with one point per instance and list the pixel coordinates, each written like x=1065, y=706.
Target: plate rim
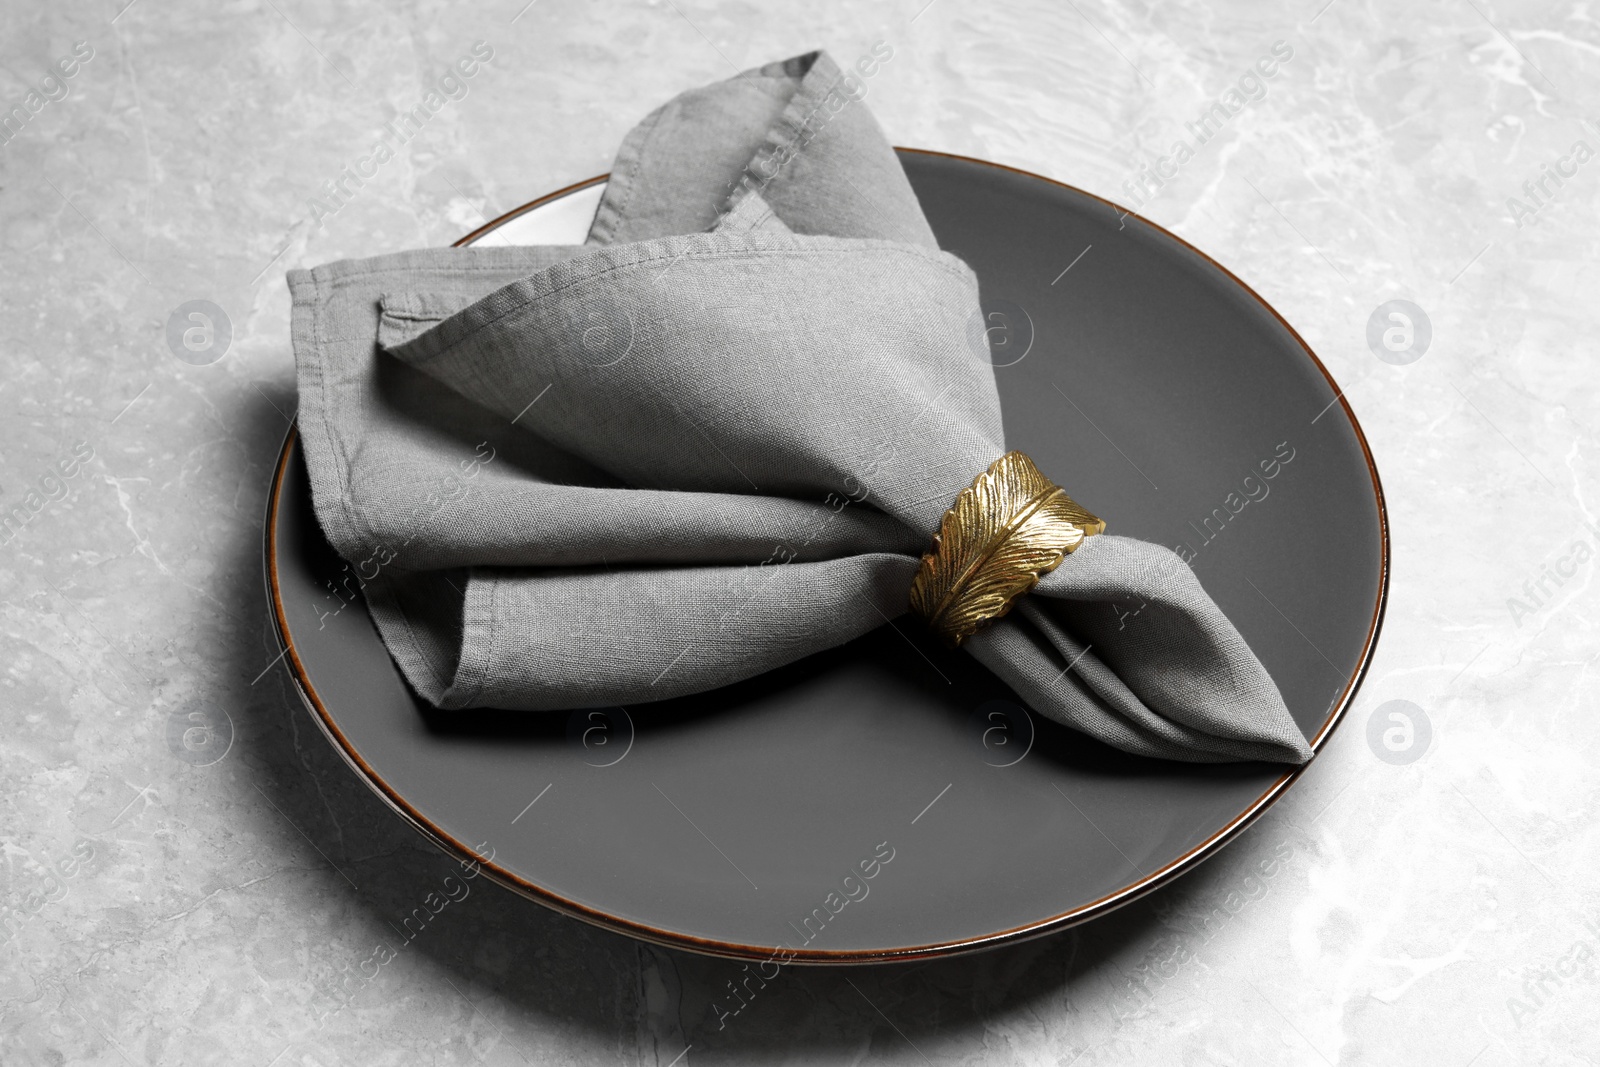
x=1094, y=909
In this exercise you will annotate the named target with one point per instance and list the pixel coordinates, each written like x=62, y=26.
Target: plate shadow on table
x=531, y=970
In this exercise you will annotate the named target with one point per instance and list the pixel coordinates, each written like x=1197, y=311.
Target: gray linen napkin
x=713, y=440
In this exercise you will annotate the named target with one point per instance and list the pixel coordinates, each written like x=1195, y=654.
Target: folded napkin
x=712, y=440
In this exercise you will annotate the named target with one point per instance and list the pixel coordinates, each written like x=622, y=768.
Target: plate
x=888, y=800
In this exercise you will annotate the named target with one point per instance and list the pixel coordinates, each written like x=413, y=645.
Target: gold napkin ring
x=1004, y=532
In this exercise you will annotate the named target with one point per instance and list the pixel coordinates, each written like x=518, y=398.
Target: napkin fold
x=713, y=440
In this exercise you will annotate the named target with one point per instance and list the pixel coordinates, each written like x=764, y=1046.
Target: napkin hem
x=611, y=259
x=611, y=213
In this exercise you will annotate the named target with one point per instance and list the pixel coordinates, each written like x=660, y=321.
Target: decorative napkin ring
x=1004, y=532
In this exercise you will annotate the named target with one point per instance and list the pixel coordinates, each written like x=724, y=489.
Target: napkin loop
x=1004, y=532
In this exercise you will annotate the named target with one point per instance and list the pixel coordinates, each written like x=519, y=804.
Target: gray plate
x=1151, y=381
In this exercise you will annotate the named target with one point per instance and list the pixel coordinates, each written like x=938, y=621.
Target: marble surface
x=189, y=873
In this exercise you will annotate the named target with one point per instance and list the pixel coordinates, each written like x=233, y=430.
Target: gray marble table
x=191, y=876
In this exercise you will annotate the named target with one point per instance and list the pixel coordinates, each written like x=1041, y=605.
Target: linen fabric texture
x=713, y=440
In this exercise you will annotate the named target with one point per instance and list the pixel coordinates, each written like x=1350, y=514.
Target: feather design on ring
x=1004, y=532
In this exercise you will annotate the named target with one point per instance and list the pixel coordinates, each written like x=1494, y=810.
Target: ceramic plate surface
x=1142, y=375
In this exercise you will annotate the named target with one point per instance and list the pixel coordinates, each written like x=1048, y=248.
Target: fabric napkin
x=713, y=440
